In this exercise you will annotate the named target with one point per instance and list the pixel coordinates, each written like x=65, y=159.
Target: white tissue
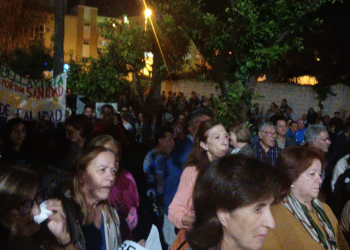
x=44, y=214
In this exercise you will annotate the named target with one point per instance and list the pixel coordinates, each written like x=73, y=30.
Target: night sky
x=112, y=8
x=116, y=8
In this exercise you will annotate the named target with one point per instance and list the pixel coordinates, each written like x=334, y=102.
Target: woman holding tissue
x=19, y=202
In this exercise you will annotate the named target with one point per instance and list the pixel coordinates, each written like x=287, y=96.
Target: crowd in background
x=160, y=157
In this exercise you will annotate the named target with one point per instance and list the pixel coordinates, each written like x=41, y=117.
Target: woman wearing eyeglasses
x=19, y=203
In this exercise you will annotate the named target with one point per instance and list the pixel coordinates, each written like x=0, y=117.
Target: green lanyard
x=325, y=219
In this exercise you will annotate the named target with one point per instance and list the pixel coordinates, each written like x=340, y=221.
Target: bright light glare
x=148, y=13
x=113, y=25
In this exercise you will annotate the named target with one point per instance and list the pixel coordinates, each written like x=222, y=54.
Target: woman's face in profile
x=21, y=218
x=307, y=186
x=18, y=133
x=246, y=227
x=216, y=144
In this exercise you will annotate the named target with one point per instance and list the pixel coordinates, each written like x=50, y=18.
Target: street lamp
x=148, y=13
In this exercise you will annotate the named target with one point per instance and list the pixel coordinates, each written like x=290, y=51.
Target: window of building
x=38, y=31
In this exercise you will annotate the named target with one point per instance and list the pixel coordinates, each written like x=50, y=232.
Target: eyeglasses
x=273, y=134
x=26, y=206
x=325, y=140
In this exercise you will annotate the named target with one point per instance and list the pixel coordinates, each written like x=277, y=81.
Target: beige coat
x=290, y=234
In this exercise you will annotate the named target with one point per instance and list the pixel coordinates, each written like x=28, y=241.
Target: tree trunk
x=246, y=100
x=58, y=57
x=152, y=101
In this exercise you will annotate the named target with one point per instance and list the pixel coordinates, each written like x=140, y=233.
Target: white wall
x=299, y=97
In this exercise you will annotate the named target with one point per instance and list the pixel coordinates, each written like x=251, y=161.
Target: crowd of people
x=176, y=176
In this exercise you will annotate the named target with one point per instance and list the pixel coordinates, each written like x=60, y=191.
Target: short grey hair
x=265, y=124
x=312, y=132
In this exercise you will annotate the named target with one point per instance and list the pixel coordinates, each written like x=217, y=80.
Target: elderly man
x=266, y=150
x=299, y=135
x=316, y=137
x=283, y=140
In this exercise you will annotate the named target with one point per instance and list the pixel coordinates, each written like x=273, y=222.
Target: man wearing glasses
x=266, y=150
x=317, y=137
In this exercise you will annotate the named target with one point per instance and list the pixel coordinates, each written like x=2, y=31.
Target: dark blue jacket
x=174, y=168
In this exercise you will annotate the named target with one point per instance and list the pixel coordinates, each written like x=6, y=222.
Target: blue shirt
x=95, y=239
x=154, y=166
x=174, y=168
x=299, y=135
x=290, y=133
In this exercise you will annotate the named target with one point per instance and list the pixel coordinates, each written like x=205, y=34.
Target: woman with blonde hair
x=98, y=223
x=239, y=139
x=124, y=196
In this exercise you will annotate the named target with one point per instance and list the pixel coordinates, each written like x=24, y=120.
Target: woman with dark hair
x=14, y=141
x=302, y=221
x=239, y=139
x=79, y=129
x=20, y=199
x=210, y=143
x=232, y=199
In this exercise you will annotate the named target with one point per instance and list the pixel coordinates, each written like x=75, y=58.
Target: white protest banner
x=32, y=99
x=130, y=245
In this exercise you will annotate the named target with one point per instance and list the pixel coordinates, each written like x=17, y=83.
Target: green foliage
x=227, y=108
x=244, y=40
x=125, y=53
x=30, y=61
x=126, y=47
x=98, y=80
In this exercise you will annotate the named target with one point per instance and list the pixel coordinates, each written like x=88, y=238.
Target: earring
x=292, y=186
x=207, y=149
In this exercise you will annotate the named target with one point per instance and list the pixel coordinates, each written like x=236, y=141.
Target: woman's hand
x=57, y=221
x=142, y=243
x=187, y=220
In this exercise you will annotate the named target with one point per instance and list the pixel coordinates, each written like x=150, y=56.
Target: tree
x=58, y=56
x=125, y=53
x=30, y=61
x=242, y=39
x=18, y=19
x=105, y=77
x=325, y=55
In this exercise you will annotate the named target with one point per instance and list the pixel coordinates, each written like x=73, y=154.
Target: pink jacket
x=182, y=202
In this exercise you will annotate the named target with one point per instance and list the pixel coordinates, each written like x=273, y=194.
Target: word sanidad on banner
x=32, y=99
